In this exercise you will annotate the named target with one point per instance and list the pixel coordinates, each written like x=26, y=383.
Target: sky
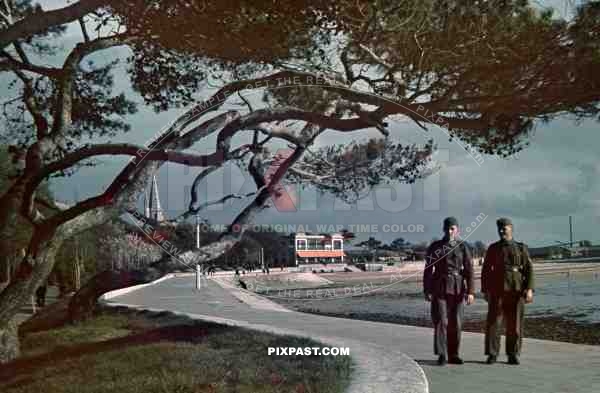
x=556, y=176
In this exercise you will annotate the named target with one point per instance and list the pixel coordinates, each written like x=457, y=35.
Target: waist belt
x=512, y=268
x=455, y=273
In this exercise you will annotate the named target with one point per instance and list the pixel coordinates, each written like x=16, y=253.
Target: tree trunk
x=84, y=301
x=77, y=276
x=77, y=268
x=9, y=341
x=31, y=273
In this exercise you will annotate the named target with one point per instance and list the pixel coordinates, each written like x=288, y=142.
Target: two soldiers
x=506, y=283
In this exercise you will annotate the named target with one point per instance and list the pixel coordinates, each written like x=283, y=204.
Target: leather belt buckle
x=515, y=269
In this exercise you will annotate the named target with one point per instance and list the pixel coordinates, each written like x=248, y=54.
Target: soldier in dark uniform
x=448, y=276
x=507, y=283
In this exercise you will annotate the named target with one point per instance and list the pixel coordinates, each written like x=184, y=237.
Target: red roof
x=321, y=253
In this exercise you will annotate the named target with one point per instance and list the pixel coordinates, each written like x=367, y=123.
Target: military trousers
x=447, y=315
x=509, y=306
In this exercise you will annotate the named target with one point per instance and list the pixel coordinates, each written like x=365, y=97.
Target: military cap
x=503, y=221
x=449, y=221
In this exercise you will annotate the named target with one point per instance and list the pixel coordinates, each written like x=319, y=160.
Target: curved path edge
x=377, y=369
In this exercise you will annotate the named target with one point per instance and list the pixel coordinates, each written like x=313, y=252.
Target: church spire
x=156, y=211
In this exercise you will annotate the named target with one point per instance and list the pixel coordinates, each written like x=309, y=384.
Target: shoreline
x=407, y=274
x=543, y=327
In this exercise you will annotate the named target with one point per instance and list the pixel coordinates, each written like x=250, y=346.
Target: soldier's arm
x=428, y=271
x=486, y=270
x=468, y=271
x=528, y=270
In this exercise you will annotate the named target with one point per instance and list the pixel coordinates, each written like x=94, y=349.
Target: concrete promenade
x=380, y=349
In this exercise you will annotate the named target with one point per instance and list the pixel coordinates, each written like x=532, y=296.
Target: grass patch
x=103, y=327
x=137, y=352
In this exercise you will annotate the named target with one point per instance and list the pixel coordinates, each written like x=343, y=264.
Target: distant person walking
x=507, y=283
x=447, y=278
x=40, y=295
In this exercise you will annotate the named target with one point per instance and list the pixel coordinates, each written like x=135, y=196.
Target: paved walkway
x=379, y=348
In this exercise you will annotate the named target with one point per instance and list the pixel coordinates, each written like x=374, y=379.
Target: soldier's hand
x=529, y=296
x=470, y=299
x=428, y=297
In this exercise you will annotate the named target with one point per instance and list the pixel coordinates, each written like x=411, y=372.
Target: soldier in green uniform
x=506, y=283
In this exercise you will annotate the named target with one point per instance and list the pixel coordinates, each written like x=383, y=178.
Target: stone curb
x=123, y=291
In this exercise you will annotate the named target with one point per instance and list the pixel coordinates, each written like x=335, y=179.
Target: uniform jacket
x=448, y=270
x=507, y=267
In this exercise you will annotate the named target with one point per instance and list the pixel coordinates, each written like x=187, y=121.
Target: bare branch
x=8, y=16
x=309, y=175
x=220, y=201
x=350, y=78
x=245, y=101
x=253, y=169
x=194, y=190
x=374, y=56
x=86, y=37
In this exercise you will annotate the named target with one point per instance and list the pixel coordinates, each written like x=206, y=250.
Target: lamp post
x=198, y=277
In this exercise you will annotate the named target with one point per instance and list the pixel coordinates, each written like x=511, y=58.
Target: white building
x=319, y=249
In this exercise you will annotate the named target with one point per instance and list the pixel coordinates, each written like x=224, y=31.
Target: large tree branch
x=63, y=105
x=128, y=182
x=137, y=151
x=42, y=21
x=171, y=139
x=275, y=131
x=427, y=112
x=10, y=64
x=253, y=119
x=217, y=158
x=108, y=198
x=41, y=124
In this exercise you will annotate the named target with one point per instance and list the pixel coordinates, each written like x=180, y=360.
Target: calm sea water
x=574, y=296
